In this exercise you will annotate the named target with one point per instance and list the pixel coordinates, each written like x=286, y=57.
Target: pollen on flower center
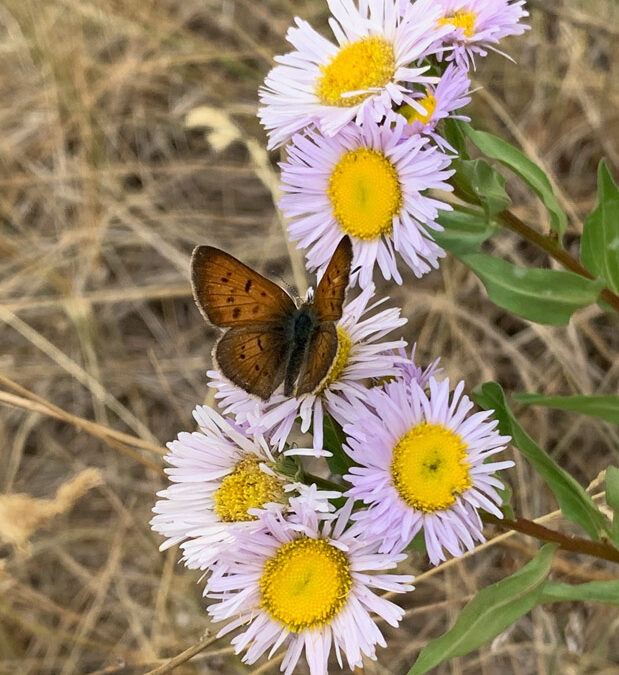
x=245, y=488
x=428, y=468
x=412, y=115
x=344, y=345
x=366, y=64
x=365, y=193
x=464, y=20
x=305, y=584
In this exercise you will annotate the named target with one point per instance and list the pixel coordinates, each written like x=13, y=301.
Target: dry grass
x=104, y=192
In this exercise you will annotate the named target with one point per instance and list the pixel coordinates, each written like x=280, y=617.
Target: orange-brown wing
x=253, y=358
x=331, y=290
x=228, y=293
x=320, y=356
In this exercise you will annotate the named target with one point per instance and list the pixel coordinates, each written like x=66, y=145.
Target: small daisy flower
x=480, y=24
x=368, y=69
x=306, y=582
x=440, y=101
x=361, y=355
x=422, y=463
x=410, y=372
x=367, y=182
x=218, y=475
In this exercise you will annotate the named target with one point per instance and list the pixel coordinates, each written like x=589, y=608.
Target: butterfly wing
x=228, y=293
x=331, y=290
x=320, y=355
x=253, y=358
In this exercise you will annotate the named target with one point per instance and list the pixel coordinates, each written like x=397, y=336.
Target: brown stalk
x=566, y=542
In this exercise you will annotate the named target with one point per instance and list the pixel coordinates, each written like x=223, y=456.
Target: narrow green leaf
x=541, y=295
x=333, y=440
x=574, y=502
x=464, y=232
x=506, y=493
x=593, y=591
x=482, y=184
x=489, y=613
x=418, y=543
x=606, y=407
x=454, y=134
x=612, y=499
x=600, y=238
x=496, y=148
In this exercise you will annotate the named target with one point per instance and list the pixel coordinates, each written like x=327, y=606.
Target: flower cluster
x=362, y=116
x=295, y=559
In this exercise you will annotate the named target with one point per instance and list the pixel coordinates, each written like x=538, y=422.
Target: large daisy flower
x=480, y=24
x=306, y=582
x=361, y=355
x=422, y=463
x=440, y=101
x=370, y=183
x=219, y=475
x=368, y=69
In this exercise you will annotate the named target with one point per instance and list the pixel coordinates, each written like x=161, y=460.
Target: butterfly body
x=270, y=339
x=303, y=326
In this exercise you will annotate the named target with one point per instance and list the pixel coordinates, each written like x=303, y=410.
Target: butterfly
x=270, y=338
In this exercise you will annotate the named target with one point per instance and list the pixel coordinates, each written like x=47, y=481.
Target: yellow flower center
x=464, y=20
x=428, y=468
x=366, y=64
x=412, y=115
x=344, y=345
x=305, y=584
x=365, y=193
x=245, y=488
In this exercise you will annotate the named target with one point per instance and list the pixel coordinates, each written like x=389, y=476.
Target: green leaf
x=464, y=232
x=593, y=591
x=541, y=295
x=334, y=438
x=494, y=609
x=454, y=134
x=496, y=148
x=506, y=493
x=612, y=499
x=600, y=238
x=574, y=502
x=418, y=543
x=606, y=407
x=481, y=185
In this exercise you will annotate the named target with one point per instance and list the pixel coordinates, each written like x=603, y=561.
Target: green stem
x=554, y=250
x=567, y=542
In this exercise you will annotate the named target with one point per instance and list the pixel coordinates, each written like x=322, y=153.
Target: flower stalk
x=554, y=250
x=567, y=542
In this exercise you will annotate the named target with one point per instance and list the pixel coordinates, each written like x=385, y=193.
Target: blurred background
x=127, y=136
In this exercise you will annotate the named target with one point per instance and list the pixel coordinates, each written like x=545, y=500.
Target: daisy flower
x=368, y=69
x=440, y=101
x=305, y=582
x=367, y=182
x=422, y=463
x=218, y=475
x=480, y=24
x=361, y=355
